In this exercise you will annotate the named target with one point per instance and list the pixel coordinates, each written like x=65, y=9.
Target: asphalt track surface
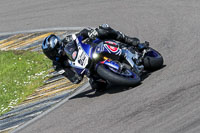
x=167, y=101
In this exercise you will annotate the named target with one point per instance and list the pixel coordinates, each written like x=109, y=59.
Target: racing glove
x=67, y=39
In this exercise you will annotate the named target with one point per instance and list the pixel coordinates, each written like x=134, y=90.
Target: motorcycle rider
x=53, y=47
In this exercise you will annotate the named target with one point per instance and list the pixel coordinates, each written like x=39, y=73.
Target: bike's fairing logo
x=111, y=46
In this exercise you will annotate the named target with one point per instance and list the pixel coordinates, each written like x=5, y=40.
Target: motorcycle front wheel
x=125, y=78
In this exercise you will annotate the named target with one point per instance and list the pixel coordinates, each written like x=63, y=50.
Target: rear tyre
x=117, y=79
x=153, y=60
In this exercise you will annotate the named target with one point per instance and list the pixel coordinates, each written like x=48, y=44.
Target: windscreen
x=71, y=50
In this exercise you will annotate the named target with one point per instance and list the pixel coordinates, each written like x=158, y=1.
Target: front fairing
x=82, y=59
x=71, y=50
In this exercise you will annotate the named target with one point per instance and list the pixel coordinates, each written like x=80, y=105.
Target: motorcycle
x=110, y=62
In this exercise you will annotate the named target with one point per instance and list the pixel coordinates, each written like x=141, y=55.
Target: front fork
x=133, y=60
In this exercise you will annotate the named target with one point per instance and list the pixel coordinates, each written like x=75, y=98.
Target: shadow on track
x=112, y=89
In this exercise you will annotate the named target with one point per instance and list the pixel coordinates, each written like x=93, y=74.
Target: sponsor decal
x=111, y=47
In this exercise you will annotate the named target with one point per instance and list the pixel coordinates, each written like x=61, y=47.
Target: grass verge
x=21, y=72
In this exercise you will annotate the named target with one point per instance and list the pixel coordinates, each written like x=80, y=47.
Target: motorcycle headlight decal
x=74, y=54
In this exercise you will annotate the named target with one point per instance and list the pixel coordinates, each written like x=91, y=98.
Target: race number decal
x=81, y=60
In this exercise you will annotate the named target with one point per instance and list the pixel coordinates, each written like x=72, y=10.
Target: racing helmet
x=50, y=46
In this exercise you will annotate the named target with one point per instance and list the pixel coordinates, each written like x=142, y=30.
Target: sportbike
x=110, y=61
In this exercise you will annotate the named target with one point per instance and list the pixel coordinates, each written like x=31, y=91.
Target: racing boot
x=131, y=41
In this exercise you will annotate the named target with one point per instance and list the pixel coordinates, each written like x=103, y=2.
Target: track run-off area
x=55, y=89
x=167, y=101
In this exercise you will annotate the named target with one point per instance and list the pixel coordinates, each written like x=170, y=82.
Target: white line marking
x=82, y=88
x=42, y=30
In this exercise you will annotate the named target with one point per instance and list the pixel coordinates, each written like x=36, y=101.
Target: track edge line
x=77, y=91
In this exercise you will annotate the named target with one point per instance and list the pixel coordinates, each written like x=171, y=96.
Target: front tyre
x=118, y=79
x=153, y=60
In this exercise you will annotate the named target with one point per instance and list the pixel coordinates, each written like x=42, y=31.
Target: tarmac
x=167, y=101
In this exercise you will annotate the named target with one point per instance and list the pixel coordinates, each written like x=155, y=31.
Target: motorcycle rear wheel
x=153, y=60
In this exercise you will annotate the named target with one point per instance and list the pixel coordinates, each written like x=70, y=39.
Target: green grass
x=21, y=72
